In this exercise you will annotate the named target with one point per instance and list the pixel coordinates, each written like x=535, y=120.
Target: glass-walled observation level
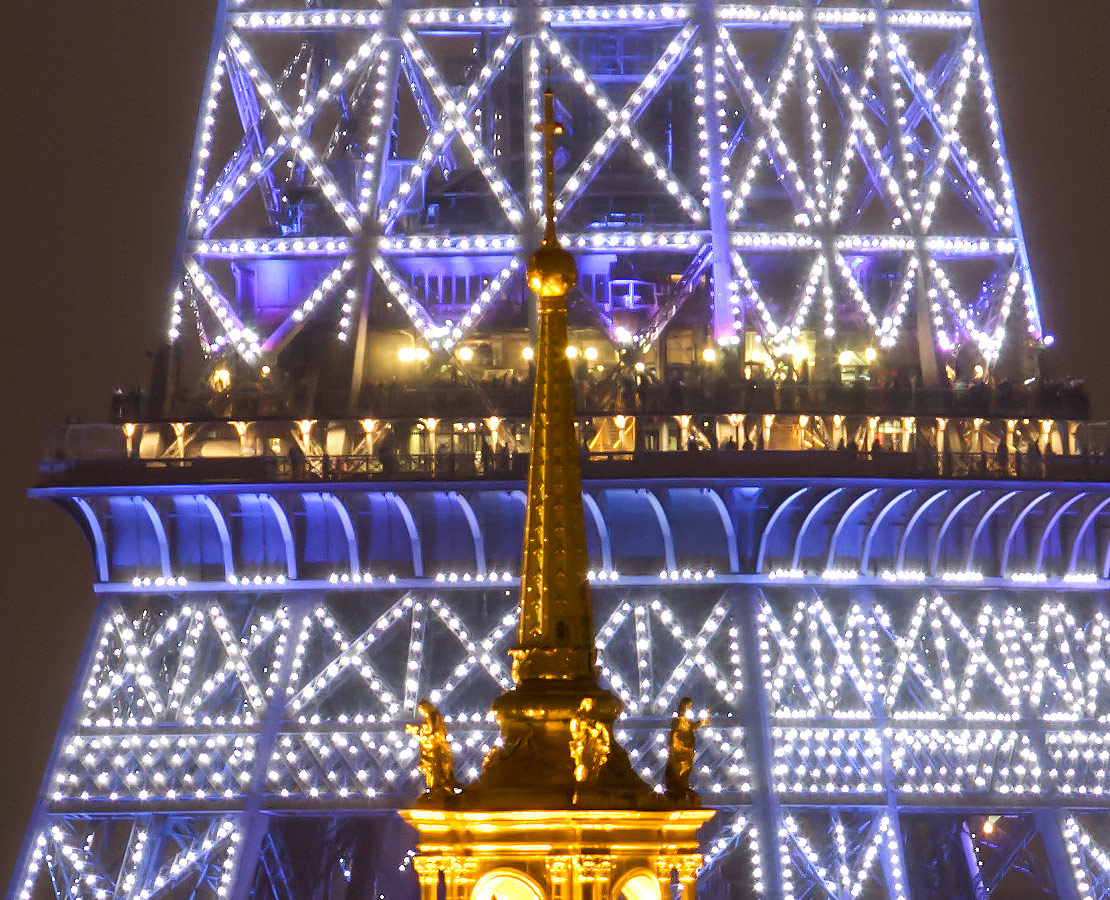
x=759, y=182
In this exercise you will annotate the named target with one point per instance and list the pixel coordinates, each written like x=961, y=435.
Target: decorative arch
x=449, y=533
x=264, y=535
x=500, y=515
x=694, y=515
x=638, y=884
x=868, y=541
x=769, y=531
x=506, y=884
x=284, y=529
x=202, y=536
x=1057, y=517
x=808, y=522
x=638, y=528
x=1081, y=535
x=476, y=532
x=1019, y=520
x=953, y=515
x=325, y=535
x=918, y=514
x=96, y=532
x=981, y=526
x=593, y=514
x=137, y=535
x=845, y=520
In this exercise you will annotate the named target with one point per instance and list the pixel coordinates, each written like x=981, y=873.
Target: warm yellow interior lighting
x=643, y=886
x=221, y=380
x=505, y=885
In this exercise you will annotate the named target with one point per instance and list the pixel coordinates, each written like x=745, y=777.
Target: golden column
x=557, y=812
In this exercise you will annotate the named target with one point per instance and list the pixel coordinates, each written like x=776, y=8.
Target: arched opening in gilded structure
x=509, y=884
x=638, y=885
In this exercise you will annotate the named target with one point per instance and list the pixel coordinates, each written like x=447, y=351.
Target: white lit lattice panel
x=151, y=857
x=731, y=853
x=827, y=761
x=343, y=764
x=720, y=767
x=1086, y=837
x=1079, y=763
x=360, y=664
x=173, y=702
x=964, y=660
x=160, y=766
x=957, y=680
x=1069, y=649
x=964, y=762
x=841, y=853
x=859, y=152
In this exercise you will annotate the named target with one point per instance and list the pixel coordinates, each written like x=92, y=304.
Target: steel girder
x=213, y=729
x=836, y=165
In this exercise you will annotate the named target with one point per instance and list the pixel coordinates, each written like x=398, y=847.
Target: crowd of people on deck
x=627, y=389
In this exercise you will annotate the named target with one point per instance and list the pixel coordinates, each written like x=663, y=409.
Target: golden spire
x=557, y=749
x=555, y=638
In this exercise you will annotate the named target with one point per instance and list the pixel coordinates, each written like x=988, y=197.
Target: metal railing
x=640, y=464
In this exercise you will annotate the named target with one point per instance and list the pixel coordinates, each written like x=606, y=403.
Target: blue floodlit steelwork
x=878, y=657
x=813, y=501
x=811, y=184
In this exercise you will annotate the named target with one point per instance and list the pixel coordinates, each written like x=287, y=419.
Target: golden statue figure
x=437, y=764
x=680, y=755
x=589, y=742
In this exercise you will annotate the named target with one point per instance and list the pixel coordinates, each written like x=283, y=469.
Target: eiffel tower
x=820, y=497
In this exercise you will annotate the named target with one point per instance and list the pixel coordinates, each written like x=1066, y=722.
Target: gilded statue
x=589, y=742
x=437, y=764
x=680, y=753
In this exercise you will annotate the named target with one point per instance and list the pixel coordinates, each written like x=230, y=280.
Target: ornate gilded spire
x=557, y=749
x=555, y=638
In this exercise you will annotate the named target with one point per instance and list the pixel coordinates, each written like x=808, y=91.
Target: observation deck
x=756, y=497
x=628, y=428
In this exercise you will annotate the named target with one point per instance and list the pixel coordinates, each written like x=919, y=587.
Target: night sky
x=97, y=112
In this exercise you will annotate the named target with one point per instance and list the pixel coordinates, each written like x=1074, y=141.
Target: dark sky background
x=97, y=112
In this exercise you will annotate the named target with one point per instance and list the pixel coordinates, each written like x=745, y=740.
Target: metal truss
x=208, y=727
x=831, y=168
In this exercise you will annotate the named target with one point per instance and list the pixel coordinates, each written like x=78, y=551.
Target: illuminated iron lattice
x=907, y=683
x=873, y=719
x=817, y=170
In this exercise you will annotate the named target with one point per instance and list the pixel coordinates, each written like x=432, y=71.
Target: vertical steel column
x=531, y=95
x=378, y=139
x=163, y=361
x=41, y=812
x=755, y=714
x=723, y=324
x=889, y=855
x=826, y=362
x=1029, y=360
x=253, y=821
x=926, y=335
x=1050, y=826
x=1049, y=821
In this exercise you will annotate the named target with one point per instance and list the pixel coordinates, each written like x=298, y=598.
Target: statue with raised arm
x=680, y=756
x=589, y=742
x=437, y=764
